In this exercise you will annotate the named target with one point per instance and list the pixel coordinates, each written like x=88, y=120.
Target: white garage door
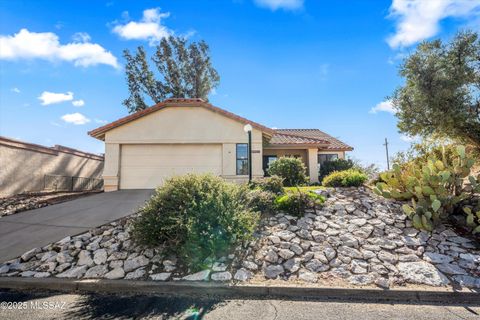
x=147, y=166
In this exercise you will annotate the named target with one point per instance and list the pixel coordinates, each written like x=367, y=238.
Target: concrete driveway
x=36, y=228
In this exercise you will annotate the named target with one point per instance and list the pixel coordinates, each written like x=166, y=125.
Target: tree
x=184, y=71
x=441, y=92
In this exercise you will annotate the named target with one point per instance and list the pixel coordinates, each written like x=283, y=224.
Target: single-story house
x=179, y=136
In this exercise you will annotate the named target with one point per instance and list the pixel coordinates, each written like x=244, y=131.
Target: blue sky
x=283, y=63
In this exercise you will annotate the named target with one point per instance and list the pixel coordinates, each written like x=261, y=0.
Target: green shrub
x=435, y=188
x=262, y=201
x=272, y=184
x=296, y=202
x=197, y=217
x=335, y=165
x=292, y=170
x=346, y=178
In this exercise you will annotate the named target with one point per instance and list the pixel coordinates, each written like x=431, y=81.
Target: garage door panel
x=148, y=166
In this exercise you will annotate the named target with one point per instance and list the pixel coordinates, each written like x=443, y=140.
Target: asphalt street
x=49, y=305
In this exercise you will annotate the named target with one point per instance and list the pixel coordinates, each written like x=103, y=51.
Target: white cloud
x=81, y=37
x=100, y=121
x=75, y=118
x=419, y=19
x=16, y=90
x=148, y=28
x=280, y=4
x=46, y=46
x=51, y=97
x=78, y=103
x=385, y=106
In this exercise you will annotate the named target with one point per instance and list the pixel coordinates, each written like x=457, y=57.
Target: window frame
x=241, y=159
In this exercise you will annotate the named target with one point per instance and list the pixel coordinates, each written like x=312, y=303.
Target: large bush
x=335, y=165
x=272, y=184
x=292, y=170
x=262, y=201
x=297, y=201
x=346, y=178
x=197, y=217
x=435, y=188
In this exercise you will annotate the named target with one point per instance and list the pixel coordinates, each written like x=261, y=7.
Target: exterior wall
x=313, y=164
x=182, y=125
x=23, y=166
x=308, y=156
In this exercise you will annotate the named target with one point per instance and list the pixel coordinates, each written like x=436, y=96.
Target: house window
x=267, y=160
x=242, y=159
x=326, y=157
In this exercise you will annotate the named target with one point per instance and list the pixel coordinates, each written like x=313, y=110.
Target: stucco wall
x=22, y=168
x=182, y=125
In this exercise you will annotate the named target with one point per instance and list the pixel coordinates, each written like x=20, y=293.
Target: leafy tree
x=184, y=71
x=441, y=92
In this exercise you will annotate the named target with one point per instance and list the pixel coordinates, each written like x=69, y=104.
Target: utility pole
x=386, y=150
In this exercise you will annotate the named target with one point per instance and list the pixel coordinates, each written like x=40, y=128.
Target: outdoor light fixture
x=248, y=129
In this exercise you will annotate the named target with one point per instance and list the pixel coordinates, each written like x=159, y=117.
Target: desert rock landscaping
x=28, y=201
x=356, y=238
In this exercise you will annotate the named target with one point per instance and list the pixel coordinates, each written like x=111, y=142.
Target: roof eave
x=99, y=133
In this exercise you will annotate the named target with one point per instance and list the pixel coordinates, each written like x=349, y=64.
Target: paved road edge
x=443, y=296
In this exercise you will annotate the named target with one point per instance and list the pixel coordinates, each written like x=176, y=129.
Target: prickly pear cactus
x=434, y=188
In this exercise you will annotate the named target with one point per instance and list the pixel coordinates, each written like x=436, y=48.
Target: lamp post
x=248, y=129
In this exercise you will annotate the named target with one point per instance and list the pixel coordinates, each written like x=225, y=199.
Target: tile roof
x=308, y=135
x=312, y=137
x=281, y=138
x=175, y=102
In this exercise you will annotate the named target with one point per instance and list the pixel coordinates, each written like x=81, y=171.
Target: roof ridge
x=172, y=102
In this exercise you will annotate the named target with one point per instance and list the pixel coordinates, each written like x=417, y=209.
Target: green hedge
x=346, y=178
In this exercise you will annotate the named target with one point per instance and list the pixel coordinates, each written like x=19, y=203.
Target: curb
x=443, y=296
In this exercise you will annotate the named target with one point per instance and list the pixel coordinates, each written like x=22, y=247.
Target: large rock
x=361, y=279
x=468, y=281
x=434, y=257
x=450, y=268
x=315, y=265
x=64, y=257
x=85, y=259
x=199, y=276
x=75, y=272
x=96, y=272
x=4, y=269
x=273, y=271
x=221, y=276
x=100, y=256
x=135, y=263
x=243, y=274
x=163, y=276
x=422, y=272
x=285, y=235
x=250, y=265
x=286, y=254
x=307, y=276
x=116, y=273
x=30, y=254
x=137, y=274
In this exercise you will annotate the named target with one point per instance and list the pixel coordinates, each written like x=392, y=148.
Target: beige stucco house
x=179, y=136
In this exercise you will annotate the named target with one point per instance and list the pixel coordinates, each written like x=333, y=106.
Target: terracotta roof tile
x=281, y=138
x=334, y=144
